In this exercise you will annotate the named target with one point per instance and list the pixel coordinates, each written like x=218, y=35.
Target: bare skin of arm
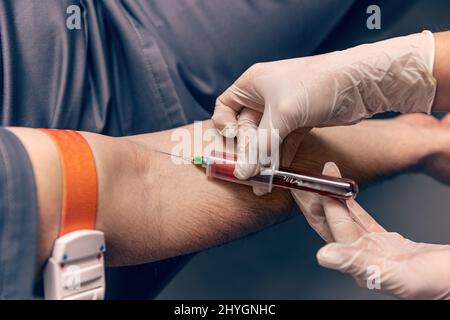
x=442, y=71
x=151, y=208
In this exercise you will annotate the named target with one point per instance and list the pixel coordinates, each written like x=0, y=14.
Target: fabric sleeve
x=18, y=219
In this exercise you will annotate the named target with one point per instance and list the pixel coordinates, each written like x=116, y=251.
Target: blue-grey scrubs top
x=134, y=66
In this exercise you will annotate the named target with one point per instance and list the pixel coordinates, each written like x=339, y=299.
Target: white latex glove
x=337, y=88
x=361, y=247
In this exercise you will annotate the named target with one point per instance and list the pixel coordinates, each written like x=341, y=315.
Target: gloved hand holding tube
x=377, y=259
x=338, y=88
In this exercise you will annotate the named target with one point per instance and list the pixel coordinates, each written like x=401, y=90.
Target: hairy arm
x=151, y=208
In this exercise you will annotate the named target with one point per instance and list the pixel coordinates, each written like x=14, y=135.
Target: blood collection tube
x=220, y=165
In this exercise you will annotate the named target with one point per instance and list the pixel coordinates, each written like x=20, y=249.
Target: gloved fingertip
x=241, y=173
x=330, y=168
x=331, y=256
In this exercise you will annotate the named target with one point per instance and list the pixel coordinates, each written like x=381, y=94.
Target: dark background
x=279, y=263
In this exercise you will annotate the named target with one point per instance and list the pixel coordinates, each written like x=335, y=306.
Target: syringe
x=221, y=165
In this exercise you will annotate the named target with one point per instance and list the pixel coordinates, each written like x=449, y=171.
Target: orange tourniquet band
x=79, y=204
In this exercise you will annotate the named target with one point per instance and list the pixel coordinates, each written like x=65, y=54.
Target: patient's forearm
x=195, y=212
x=150, y=208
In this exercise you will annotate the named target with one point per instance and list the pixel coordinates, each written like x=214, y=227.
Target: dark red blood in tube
x=222, y=165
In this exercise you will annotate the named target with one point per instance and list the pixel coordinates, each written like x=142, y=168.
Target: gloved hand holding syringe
x=221, y=165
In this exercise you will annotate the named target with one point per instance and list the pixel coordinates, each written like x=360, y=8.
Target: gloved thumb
x=348, y=259
x=265, y=143
x=336, y=256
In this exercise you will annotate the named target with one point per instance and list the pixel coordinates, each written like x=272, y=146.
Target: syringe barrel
x=220, y=165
